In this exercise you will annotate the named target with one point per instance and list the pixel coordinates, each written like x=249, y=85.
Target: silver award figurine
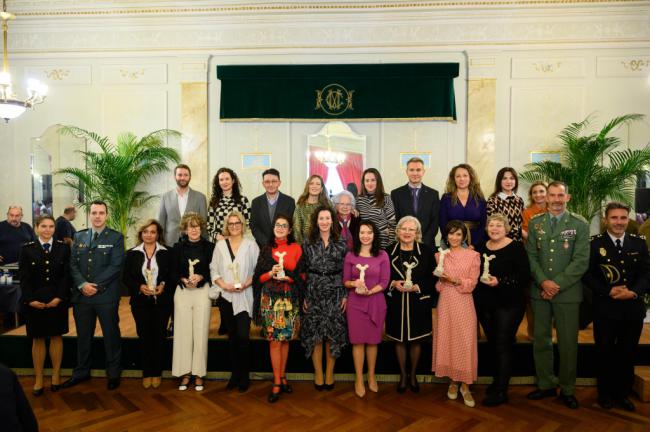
x=486, y=276
x=362, y=277
x=151, y=282
x=234, y=268
x=441, y=263
x=281, y=274
x=408, y=283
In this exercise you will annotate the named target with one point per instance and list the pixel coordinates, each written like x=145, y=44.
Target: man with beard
x=13, y=234
x=176, y=202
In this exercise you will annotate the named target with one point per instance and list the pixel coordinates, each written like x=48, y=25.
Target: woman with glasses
x=409, y=298
x=376, y=206
x=277, y=287
x=191, y=258
x=344, y=203
x=232, y=267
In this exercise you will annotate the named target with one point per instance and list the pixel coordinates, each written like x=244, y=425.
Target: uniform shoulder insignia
x=639, y=236
x=596, y=236
x=59, y=241
x=577, y=216
x=29, y=243
x=537, y=216
x=83, y=230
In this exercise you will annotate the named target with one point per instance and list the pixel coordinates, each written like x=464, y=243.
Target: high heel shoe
x=452, y=391
x=198, y=383
x=401, y=386
x=55, y=387
x=146, y=382
x=328, y=387
x=38, y=392
x=318, y=387
x=467, y=398
x=275, y=396
x=414, y=386
x=185, y=382
x=156, y=381
x=284, y=386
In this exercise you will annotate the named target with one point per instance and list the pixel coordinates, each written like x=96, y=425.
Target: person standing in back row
x=266, y=206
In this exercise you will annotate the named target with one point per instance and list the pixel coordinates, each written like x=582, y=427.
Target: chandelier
x=329, y=157
x=10, y=105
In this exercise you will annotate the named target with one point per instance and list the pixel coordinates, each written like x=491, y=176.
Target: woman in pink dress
x=455, y=350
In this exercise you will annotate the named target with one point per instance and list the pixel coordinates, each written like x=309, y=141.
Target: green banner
x=408, y=91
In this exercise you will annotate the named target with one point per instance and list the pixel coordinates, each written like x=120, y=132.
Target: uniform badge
x=602, y=251
x=539, y=229
x=566, y=244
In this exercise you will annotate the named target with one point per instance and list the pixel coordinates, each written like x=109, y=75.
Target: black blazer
x=428, y=210
x=260, y=222
x=44, y=277
x=185, y=250
x=608, y=268
x=133, y=277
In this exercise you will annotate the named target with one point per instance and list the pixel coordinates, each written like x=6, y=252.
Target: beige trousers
x=192, y=308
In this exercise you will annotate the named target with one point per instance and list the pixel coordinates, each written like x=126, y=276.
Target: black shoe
x=605, y=402
x=273, y=396
x=232, y=383
x=626, y=404
x=492, y=388
x=495, y=398
x=414, y=386
x=569, y=400
x=328, y=387
x=55, y=388
x=318, y=387
x=243, y=386
x=402, y=385
x=285, y=387
x=540, y=394
x=113, y=383
x=71, y=382
x=38, y=392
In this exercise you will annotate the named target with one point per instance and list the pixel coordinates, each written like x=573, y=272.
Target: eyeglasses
x=281, y=226
x=271, y=181
x=234, y=224
x=408, y=230
x=344, y=205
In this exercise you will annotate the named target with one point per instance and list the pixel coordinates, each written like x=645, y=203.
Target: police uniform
x=560, y=254
x=99, y=261
x=44, y=276
x=617, y=323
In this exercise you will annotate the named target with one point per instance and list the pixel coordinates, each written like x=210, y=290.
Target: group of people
x=348, y=271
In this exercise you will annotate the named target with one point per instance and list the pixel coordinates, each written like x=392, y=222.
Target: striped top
x=383, y=218
x=511, y=207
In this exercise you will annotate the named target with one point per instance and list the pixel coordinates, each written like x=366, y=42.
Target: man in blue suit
x=95, y=265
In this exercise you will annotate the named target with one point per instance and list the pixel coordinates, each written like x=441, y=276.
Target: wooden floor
x=90, y=407
x=127, y=327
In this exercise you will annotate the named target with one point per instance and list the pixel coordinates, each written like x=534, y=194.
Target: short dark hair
x=314, y=231
x=558, y=183
x=615, y=205
x=160, y=230
x=376, y=240
x=41, y=218
x=69, y=209
x=271, y=171
x=414, y=159
x=99, y=202
x=182, y=166
x=455, y=225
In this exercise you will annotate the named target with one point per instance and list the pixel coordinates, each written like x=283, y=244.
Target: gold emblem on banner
x=334, y=99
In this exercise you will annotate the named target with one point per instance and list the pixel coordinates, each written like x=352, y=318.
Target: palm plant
x=582, y=168
x=114, y=173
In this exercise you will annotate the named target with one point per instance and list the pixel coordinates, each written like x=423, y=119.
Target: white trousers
x=192, y=308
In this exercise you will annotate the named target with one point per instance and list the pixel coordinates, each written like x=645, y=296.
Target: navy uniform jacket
x=609, y=268
x=44, y=277
x=99, y=263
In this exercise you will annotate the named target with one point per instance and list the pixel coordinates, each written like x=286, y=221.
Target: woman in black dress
x=501, y=301
x=148, y=278
x=408, y=319
x=45, y=282
x=325, y=296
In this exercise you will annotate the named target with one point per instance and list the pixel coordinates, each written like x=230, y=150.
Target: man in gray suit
x=95, y=266
x=267, y=205
x=176, y=202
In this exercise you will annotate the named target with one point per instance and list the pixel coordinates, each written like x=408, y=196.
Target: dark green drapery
x=408, y=91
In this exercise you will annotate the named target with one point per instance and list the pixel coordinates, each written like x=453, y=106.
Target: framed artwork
x=255, y=161
x=405, y=156
x=551, y=155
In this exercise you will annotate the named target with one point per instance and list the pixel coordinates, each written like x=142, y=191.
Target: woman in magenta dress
x=366, y=273
x=455, y=350
x=463, y=200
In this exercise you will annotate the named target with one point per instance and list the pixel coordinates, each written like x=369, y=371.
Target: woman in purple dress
x=366, y=273
x=463, y=200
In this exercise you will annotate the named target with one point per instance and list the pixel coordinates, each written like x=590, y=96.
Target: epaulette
x=639, y=236
x=596, y=236
x=29, y=243
x=579, y=217
x=537, y=215
x=83, y=230
x=59, y=241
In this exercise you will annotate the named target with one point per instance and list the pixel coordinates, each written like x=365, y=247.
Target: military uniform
x=617, y=323
x=560, y=254
x=97, y=261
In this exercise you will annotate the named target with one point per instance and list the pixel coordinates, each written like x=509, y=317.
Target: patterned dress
x=455, y=349
x=277, y=303
x=324, y=320
x=472, y=213
x=511, y=207
x=383, y=217
x=217, y=215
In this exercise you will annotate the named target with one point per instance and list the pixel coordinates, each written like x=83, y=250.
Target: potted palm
x=116, y=171
x=592, y=182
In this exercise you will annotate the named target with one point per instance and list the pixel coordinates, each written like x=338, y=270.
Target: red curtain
x=350, y=171
x=316, y=166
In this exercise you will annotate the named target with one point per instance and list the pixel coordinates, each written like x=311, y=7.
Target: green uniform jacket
x=99, y=263
x=561, y=255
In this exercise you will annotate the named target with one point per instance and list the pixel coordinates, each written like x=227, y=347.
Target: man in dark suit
x=266, y=206
x=95, y=266
x=13, y=234
x=619, y=275
x=416, y=199
x=176, y=202
x=65, y=231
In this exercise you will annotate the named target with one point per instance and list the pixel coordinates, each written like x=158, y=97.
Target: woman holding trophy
x=148, y=278
x=500, y=300
x=277, y=286
x=232, y=267
x=409, y=298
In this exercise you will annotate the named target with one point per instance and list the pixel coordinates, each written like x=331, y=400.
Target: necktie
x=414, y=193
x=46, y=247
x=553, y=223
x=95, y=236
x=619, y=246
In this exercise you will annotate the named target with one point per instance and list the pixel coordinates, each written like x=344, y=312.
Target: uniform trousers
x=151, y=324
x=566, y=317
x=192, y=309
x=85, y=317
